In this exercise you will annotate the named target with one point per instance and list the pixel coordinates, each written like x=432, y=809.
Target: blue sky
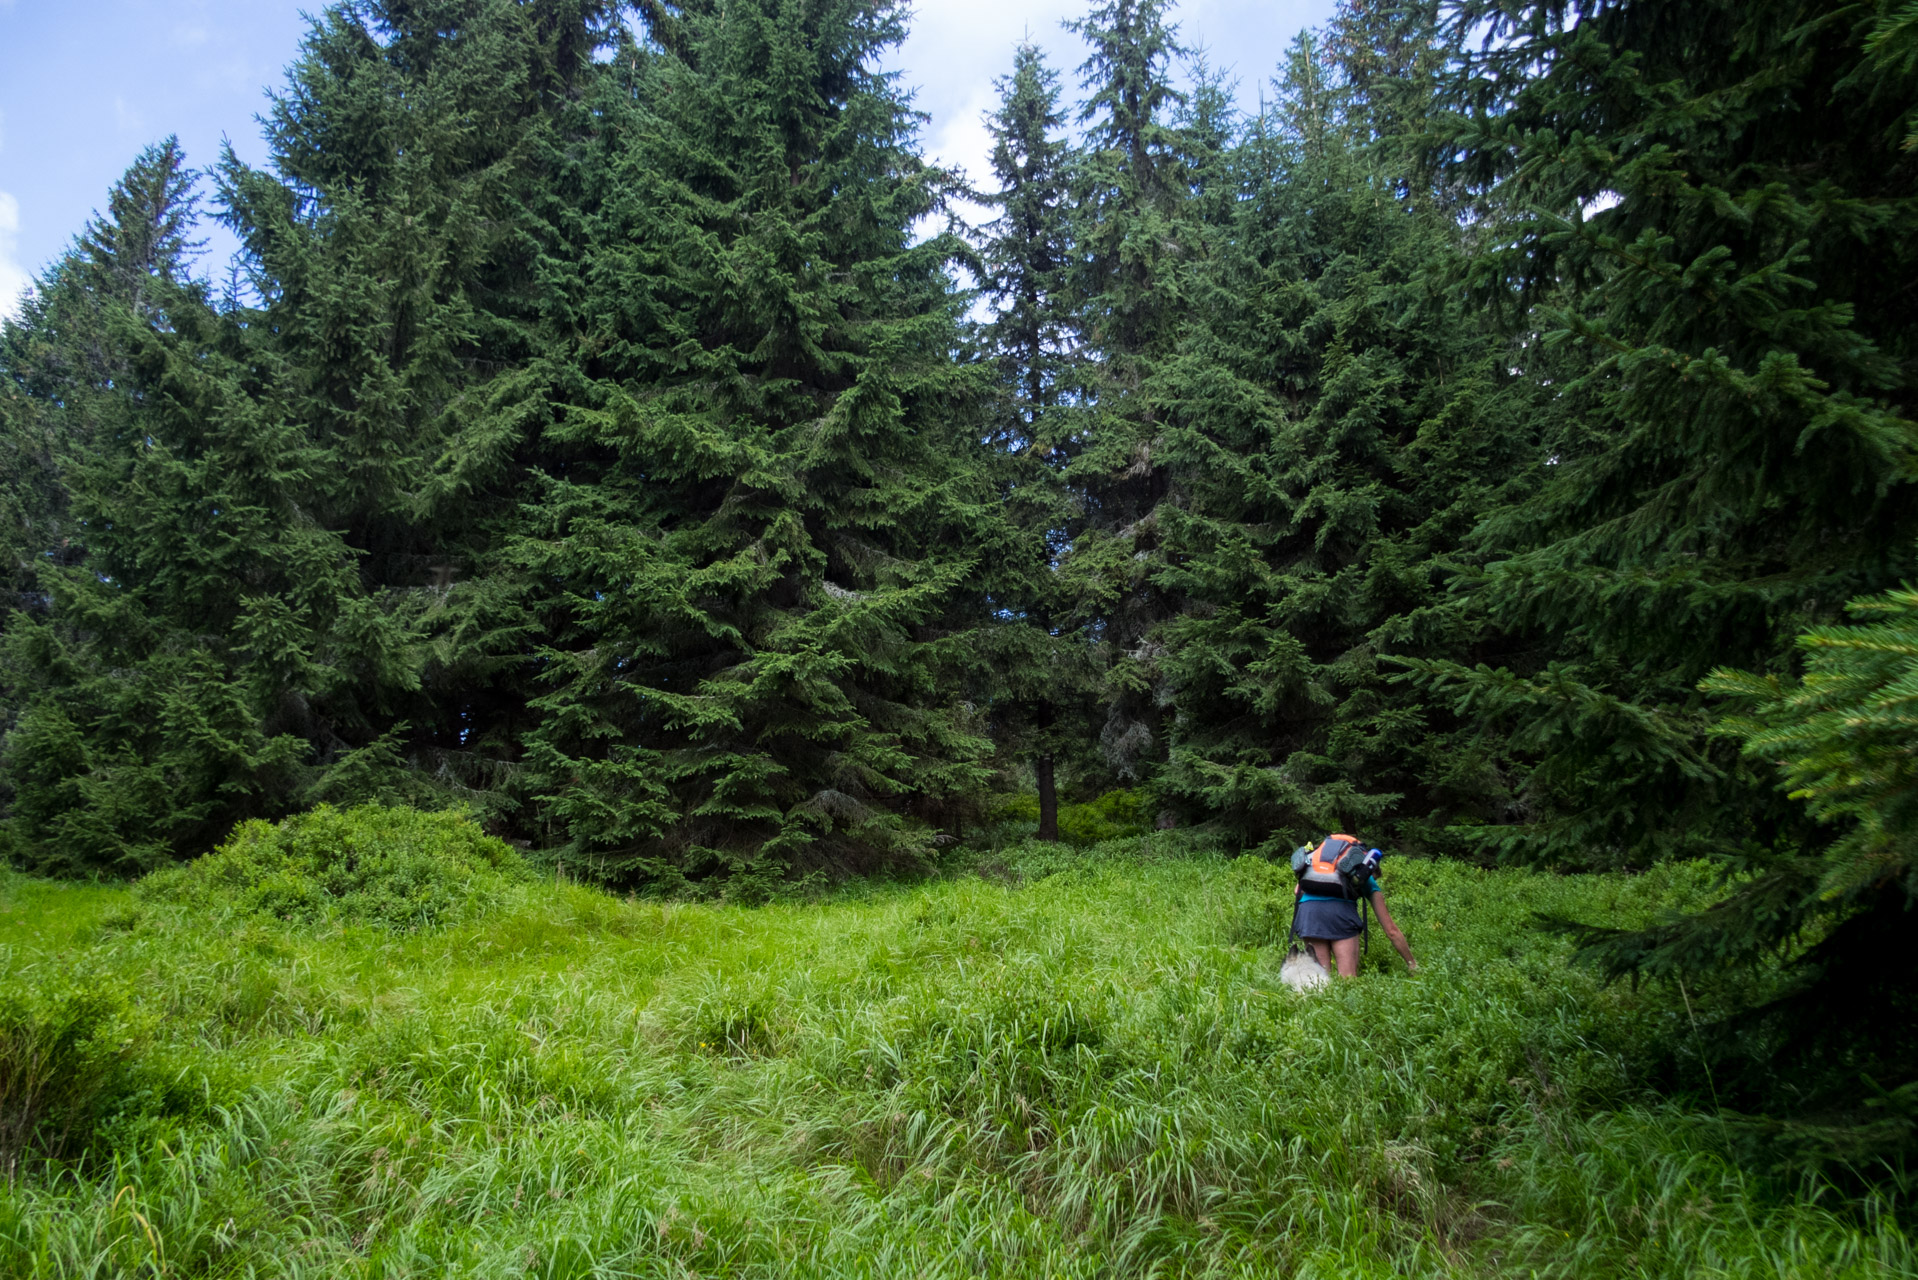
x=85, y=84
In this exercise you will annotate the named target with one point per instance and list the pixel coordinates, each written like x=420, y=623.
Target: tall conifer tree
x=1027, y=251
x=1134, y=242
x=763, y=571
x=1712, y=204
x=1672, y=198
x=65, y=370
x=1337, y=420
x=416, y=251
x=267, y=608
x=1045, y=706
x=146, y=693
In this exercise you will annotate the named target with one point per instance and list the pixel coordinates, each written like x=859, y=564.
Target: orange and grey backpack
x=1336, y=869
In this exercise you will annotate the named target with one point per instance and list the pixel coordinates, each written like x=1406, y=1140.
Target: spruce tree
x=65, y=371
x=1027, y=252
x=1839, y=739
x=1709, y=205
x=145, y=693
x=1044, y=710
x=1338, y=419
x=416, y=246
x=1702, y=213
x=32, y=499
x=274, y=598
x=1134, y=242
x=755, y=555
x=1390, y=57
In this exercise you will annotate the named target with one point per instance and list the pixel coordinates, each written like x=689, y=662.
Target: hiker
x=1333, y=881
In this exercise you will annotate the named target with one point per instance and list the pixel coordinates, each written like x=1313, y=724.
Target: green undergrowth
x=1078, y=1066
x=389, y=866
x=1111, y=816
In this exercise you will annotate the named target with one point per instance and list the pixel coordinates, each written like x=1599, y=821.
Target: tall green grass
x=1084, y=1066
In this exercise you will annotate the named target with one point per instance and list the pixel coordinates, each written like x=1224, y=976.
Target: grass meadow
x=1076, y=1065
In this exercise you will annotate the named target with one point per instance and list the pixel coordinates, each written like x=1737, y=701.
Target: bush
x=391, y=867
x=64, y=1046
x=1111, y=816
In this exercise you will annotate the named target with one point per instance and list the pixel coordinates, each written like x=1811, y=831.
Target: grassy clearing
x=1094, y=1072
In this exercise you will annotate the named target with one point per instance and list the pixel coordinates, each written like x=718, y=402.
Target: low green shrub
x=391, y=867
x=65, y=1045
x=1112, y=815
x=1109, y=817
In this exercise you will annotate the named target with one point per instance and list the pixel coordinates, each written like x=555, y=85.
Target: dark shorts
x=1329, y=920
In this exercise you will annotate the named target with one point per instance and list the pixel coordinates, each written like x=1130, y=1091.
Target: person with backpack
x=1336, y=879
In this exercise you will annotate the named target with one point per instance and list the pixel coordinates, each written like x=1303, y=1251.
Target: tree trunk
x=1048, y=801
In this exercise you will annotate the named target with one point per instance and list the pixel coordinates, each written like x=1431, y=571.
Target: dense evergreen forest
x=1500, y=442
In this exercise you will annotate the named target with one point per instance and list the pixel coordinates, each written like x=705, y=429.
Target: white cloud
x=953, y=52
x=14, y=278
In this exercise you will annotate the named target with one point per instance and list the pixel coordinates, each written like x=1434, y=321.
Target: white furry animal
x=1301, y=972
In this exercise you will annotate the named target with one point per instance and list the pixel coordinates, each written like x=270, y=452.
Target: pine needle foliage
x=1842, y=736
x=1046, y=710
x=1337, y=420
x=1839, y=738
x=753, y=554
x=1702, y=216
x=1705, y=214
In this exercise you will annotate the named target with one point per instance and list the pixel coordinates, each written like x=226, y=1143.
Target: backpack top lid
x=1326, y=857
x=1322, y=874
x=1330, y=848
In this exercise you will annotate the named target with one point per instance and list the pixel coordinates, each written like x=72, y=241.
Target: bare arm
x=1392, y=931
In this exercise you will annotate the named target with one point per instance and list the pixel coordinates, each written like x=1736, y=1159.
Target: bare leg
x=1340, y=957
